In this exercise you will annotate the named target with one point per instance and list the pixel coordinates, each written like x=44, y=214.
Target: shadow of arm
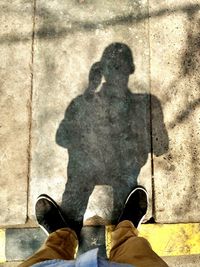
x=159, y=131
x=67, y=129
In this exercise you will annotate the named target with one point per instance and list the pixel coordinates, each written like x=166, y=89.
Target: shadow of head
x=117, y=59
x=115, y=66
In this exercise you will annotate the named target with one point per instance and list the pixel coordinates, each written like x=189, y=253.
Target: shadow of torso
x=108, y=140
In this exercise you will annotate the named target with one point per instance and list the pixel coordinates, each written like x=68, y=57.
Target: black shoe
x=135, y=206
x=49, y=215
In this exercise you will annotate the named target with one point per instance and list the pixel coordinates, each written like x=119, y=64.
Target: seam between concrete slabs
x=30, y=111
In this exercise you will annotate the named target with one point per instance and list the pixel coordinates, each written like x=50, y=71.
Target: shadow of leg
x=75, y=200
x=121, y=189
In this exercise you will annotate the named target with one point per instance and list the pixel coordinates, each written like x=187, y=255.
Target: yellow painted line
x=168, y=239
x=2, y=245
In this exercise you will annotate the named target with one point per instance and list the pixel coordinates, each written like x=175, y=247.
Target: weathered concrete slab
x=25, y=241
x=175, y=62
x=10, y=264
x=15, y=88
x=183, y=261
x=92, y=237
x=28, y=240
x=70, y=38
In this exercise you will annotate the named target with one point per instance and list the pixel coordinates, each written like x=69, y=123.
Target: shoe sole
x=44, y=196
x=134, y=190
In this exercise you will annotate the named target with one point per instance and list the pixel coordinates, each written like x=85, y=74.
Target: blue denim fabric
x=88, y=259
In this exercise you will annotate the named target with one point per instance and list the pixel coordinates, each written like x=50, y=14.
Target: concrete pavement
x=47, y=50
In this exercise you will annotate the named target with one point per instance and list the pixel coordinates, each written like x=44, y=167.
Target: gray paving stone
x=22, y=243
x=175, y=62
x=93, y=237
x=70, y=38
x=10, y=264
x=27, y=241
x=183, y=261
x=15, y=88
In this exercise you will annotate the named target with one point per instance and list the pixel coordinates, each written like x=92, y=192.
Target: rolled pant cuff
x=127, y=224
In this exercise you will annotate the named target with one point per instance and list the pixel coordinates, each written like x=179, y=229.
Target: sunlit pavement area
x=86, y=144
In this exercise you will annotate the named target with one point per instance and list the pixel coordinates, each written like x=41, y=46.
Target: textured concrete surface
x=10, y=264
x=2, y=245
x=175, y=62
x=183, y=261
x=93, y=237
x=25, y=242
x=167, y=239
x=15, y=88
x=70, y=38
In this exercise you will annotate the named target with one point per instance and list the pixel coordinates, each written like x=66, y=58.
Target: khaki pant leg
x=128, y=248
x=60, y=244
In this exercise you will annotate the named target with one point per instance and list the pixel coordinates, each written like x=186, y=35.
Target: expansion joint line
x=31, y=98
x=150, y=117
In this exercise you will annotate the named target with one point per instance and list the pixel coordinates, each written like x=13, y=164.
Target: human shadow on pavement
x=107, y=134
